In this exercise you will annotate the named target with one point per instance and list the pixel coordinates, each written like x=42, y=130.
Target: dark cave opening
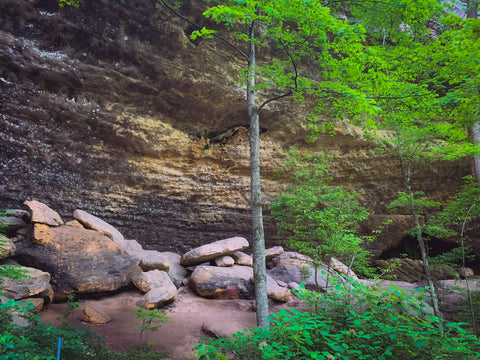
x=408, y=247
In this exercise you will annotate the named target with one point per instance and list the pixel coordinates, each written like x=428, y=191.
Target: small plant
x=67, y=311
x=151, y=321
x=319, y=220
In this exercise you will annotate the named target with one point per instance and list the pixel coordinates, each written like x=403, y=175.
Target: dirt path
x=187, y=315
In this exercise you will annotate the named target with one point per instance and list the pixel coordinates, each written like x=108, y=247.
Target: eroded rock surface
x=113, y=107
x=79, y=260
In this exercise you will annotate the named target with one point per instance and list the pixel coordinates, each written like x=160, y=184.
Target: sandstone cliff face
x=112, y=109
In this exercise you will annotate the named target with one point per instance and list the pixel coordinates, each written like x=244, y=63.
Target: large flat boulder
x=92, y=222
x=232, y=282
x=80, y=261
x=213, y=250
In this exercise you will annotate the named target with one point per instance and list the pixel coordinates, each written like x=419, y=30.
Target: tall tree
x=407, y=96
x=299, y=30
x=294, y=33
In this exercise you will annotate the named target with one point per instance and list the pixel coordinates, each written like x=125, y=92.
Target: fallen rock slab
x=223, y=282
x=213, y=250
x=273, y=252
x=92, y=222
x=221, y=328
x=42, y=214
x=34, y=282
x=294, y=267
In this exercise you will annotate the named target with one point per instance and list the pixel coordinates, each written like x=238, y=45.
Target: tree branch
x=176, y=13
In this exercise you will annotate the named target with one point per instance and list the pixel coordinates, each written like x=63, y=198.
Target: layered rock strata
x=111, y=106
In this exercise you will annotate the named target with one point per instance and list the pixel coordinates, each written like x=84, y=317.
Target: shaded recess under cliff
x=112, y=109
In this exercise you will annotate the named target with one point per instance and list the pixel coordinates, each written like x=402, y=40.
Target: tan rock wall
x=112, y=109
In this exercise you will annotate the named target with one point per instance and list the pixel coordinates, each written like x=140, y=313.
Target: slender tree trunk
x=472, y=9
x=406, y=174
x=472, y=13
x=258, y=238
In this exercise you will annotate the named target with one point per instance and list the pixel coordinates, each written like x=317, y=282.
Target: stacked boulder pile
x=89, y=257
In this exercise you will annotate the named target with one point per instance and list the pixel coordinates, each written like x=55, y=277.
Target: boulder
x=444, y=272
x=132, y=245
x=277, y=292
x=42, y=214
x=294, y=267
x=242, y=259
x=80, y=261
x=402, y=269
x=465, y=272
x=221, y=328
x=47, y=296
x=34, y=282
x=223, y=282
x=41, y=233
x=74, y=223
x=166, y=261
x=34, y=305
x=273, y=252
x=342, y=269
x=150, y=260
x=90, y=221
x=94, y=316
x=7, y=247
x=153, y=279
x=224, y=260
x=213, y=250
x=158, y=297
x=12, y=223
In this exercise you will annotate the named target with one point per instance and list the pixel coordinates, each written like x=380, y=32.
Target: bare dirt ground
x=178, y=337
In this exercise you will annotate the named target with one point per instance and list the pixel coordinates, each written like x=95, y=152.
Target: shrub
x=351, y=322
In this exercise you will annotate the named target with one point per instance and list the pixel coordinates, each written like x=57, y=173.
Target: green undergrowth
x=36, y=340
x=352, y=321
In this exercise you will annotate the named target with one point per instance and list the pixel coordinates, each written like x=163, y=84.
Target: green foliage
x=10, y=271
x=75, y=3
x=464, y=309
x=39, y=340
x=352, y=322
x=453, y=258
x=319, y=219
x=459, y=212
x=151, y=320
x=418, y=200
x=67, y=311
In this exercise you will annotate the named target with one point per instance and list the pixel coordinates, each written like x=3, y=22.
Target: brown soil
x=178, y=337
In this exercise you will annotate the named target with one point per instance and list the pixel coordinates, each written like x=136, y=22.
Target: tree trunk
x=406, y=174
x=472, y=9
x=258, y=238
x=472, y=13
